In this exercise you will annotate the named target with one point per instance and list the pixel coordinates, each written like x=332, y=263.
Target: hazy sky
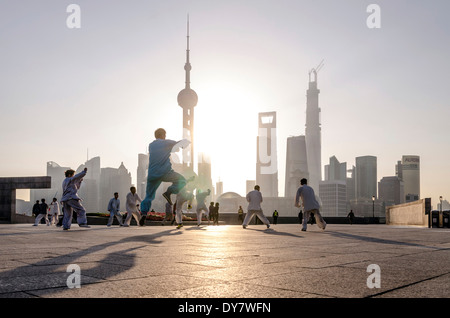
x=108, y=85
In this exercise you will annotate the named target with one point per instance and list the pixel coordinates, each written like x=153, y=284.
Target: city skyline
x=382, y=91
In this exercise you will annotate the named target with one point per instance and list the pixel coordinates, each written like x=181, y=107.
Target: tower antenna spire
x=187, y=66
x=188, y=32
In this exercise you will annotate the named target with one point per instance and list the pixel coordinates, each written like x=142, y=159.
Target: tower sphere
x=187, y=98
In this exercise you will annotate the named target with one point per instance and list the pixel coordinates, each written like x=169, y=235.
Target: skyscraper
x=296, y=164
x=333, y=194
x=204, y=180
x=266, y=154
x=408, y=170
x=187, y=99
x=335, y=170
x=366, y=177
x=391, y=190
x=114, y=180
x=90, y=187
x=333, y=190
x=312, y=131
x=141, y=175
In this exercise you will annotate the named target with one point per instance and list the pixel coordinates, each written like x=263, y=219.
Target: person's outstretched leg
x=263, y=218
x=319, y=220
x=248, y=218
x=152, y=186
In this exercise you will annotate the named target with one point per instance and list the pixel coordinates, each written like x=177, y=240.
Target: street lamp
x=373, y=207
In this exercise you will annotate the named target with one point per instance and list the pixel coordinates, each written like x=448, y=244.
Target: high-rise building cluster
x=341, y=189
x=97, y=188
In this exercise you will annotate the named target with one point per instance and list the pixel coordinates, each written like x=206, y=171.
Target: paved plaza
x=224, y=261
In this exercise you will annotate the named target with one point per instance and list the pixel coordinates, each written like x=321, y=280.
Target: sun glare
x=226, y=129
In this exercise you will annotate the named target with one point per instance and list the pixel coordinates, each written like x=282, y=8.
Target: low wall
x=412, y=213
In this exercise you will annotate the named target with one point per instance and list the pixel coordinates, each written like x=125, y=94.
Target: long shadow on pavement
x=16, y=280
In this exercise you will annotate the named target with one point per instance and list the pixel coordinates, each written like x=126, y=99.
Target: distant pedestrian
x=254, y=198
x=132, y=206
x=211, y=211
x=114, y=210
x=53, y=212
x=240, y=214
x=201, y=205
x=275, y=217
x=351, y=216
x=36, y=210
x=216, y=214
x=71, y=201
x=43, y=210
x=310, y=205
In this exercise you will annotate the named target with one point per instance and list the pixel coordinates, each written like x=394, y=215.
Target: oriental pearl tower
x=187, y=99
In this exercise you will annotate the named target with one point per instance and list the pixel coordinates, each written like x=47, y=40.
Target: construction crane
x=315, y=71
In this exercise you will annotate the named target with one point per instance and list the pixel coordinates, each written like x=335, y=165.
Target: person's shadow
x=124, y=258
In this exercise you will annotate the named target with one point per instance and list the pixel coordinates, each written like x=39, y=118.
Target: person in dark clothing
x=36, y=209
x=43, y=210
x=240, y=214
x=216, y=214
x=351, y=216
x=211, y=211
x=275, y=217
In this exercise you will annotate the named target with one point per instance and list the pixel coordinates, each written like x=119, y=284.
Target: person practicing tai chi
x=53, y=212
x=114, y=210
x=182, y=196
x=71, y=201
x=254, y=199
x=160, y=170
x=201, y=205
x=310, y=205
x=132, y=207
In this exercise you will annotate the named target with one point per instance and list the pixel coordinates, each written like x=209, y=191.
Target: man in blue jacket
x=160, y=170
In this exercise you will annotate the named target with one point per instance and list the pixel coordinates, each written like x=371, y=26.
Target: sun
x=226, y=127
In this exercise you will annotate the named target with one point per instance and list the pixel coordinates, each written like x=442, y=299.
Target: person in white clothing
x=182, y=197
x=53, y=212
x=201, y=206
x=132, y=206
x=114, y=210
x=254, y=198
x=310, y=204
